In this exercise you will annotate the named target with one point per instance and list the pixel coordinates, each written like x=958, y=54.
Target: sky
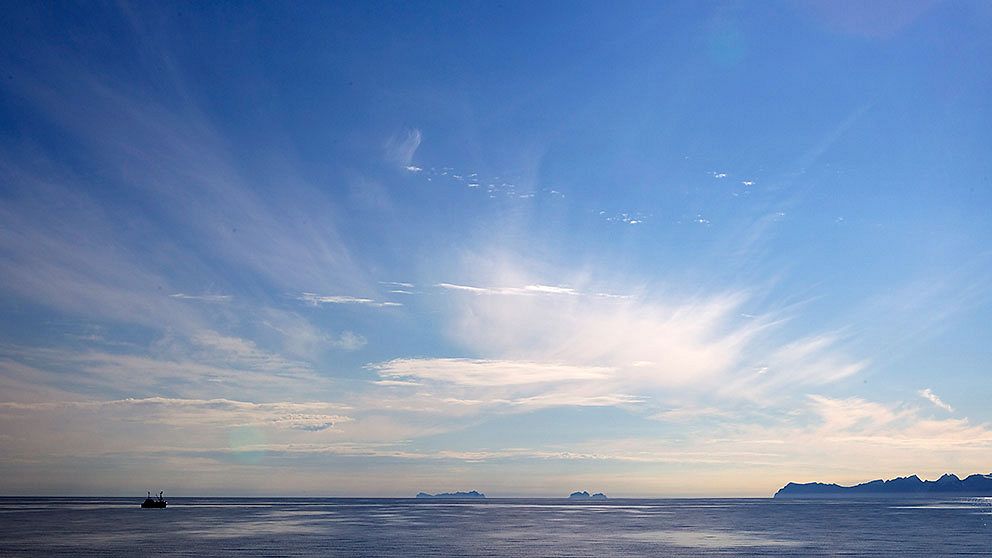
x=374, y=248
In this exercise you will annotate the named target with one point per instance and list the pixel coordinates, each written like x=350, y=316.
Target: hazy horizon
x=372, y=249
x=488, y=494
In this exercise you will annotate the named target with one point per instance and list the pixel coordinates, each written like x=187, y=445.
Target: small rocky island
x=473, y=495
x=586, y=496
x=901, y=487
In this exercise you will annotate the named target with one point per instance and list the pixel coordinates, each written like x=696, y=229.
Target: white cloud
x=930, y=396
x=206, y=365
x=461, y=386
x=628, y=218
x=845, y=440
x=578, y=399
x=586, y=453
x=401, y=383
x=479, y=372
x=853, y=413
x=686, y=343
x=93, y=251
x=685, y=414
x=56, y=232
x=526, y=290
x=549, y=289
x=643, y=347
x=561, y=349
x=811, y=361
x=225, y=350
x=301, y=339
x=349, y=341
x=480, y=290
x=866, y=431
x=137, y=426
x=317, y=300
x=841, y=436
x=401, y=148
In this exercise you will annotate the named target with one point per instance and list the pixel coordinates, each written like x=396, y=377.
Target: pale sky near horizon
x=376, y=248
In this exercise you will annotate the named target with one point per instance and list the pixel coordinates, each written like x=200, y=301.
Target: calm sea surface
x=357, y=527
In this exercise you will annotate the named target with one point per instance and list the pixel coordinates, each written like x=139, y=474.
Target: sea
x=495, y=527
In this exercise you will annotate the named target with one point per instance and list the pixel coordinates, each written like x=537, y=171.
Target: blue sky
x=373, y=249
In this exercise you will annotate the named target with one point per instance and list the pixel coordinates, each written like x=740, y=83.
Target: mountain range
x=913, y=487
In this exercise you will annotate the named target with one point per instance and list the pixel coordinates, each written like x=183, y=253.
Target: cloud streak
x=204, y=412
x=401, y=148
x=315, y=299
x=478, y=372
x=207, y=363
x=930, y=396
x=526, y=290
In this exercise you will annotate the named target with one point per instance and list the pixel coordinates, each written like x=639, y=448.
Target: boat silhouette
x=154, y=502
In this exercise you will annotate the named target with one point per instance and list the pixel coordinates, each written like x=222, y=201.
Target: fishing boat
x=154, y=502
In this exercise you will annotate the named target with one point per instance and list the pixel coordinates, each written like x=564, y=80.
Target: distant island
x=454, y=495
x=905, y=487
x=586, y=496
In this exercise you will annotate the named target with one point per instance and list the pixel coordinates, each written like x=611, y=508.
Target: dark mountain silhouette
x=585, y=496
x=913, y=487
x=453, y=495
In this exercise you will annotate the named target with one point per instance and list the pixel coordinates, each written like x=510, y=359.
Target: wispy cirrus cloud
x=577, y=398
x=670, y=358
x=401, y=148
x=582, y=453
x=318, y=300
x=526, y=290
x=203, y=245
x=205, y=365
x=403, y=383
x=210, y=346
x=651, y=343
x=74, y=244
x=348, y=341
x=175, y=158
x=852, y=428
x=463, y=386
x=930, y=396
x=206, y=412
x=481, y=372
x=815, y=360
x=60, y=432
x=690, y=413
x=895, y=437
x=303, y=340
